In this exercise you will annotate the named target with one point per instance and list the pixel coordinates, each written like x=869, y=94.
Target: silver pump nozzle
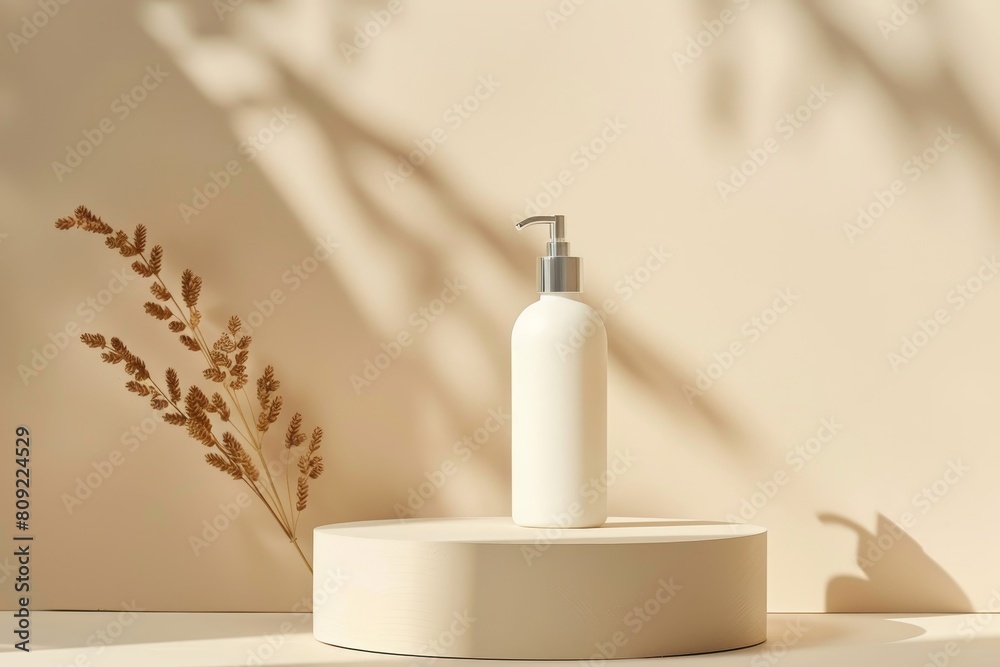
x=557, y=270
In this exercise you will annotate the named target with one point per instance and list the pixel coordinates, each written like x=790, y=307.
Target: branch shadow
x=899, y=575
x=349, y=139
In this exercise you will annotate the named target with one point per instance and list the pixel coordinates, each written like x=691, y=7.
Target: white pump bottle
x=559, y=362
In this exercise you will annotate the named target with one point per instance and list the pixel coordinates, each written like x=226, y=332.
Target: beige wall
x=672, y=131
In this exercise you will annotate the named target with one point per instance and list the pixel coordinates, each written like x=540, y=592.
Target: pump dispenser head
x=557, y=270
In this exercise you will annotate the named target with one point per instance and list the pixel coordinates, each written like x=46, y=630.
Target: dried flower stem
x=195, y=327
x=226, y=360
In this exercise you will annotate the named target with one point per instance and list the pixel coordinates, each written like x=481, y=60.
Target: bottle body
x=559, y=360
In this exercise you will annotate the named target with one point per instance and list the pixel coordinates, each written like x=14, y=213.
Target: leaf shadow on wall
x=349, y=141
x=381, y=447
x=899, y=576
x=939, y=96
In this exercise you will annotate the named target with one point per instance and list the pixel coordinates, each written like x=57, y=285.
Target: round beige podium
x=487, y=588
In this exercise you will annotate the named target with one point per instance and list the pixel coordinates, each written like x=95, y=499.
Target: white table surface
x=285, y=640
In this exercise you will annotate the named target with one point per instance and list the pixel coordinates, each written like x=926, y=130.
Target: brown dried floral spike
x=93, y=340
x=216, y=461
x=173, y=385
x=219, y=406
x=142, y=269
x=293, y=437
x=269, y=416
x=158, y=311
x=301, y=494
x=200, y=428
x=119, y=240
x=155, y=258
x=159, y=291
x=239, y=375
x=310, y=463
x=139, y=239
x=239, y=455
x=190, y=343
x=214, y=374
x=137, y=388
x=224, y=344
x=190, y=288
x=175, y=418
x=195, y=401
x=87, y=221
x=265, y=385
x=220, y=359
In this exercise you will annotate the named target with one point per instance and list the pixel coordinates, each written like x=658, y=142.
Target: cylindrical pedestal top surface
x=487, y=588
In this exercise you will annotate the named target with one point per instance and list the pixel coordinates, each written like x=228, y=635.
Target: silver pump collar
x=557, y=270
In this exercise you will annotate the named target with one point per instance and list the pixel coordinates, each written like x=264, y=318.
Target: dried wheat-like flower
x=311, y=463
x=190, y=288
x=137, y=388
x=139, y=239
x=293, y=437
x=310, y=467
x=301, y=494
x=173, y=385
x=158, y=311
x=224, y=465
x=191, y=343
x=118, y=353
x=220, y=358
x=142, y=269
x=266, y=384
x=93, y=340
x=159, y=291
x=239, y=455
x=85, y=220
x=195, y=400
x=269, y=416
x=175, y=418
x=155, y=259
x=226, y=359
x=224, y=344
x=199, y=427
x=219, y=406
x=240, y=377
x=120, y=242
x=214, y=374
